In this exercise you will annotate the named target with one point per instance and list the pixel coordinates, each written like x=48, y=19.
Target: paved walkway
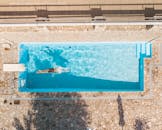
x=78, y=1
x=97, y=114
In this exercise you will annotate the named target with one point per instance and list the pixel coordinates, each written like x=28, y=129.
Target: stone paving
x=101, y=111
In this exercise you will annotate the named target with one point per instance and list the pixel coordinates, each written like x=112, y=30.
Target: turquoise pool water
x=93, y=66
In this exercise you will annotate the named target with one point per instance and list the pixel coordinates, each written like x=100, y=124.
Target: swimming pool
x=93, y=66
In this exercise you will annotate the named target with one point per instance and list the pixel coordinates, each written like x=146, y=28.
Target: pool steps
x=138, y=46
x=143, y=49
x=148, y=49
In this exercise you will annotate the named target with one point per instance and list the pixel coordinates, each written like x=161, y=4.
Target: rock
x=17, y=102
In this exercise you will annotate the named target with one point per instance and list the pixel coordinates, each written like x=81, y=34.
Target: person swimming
x=58, y=70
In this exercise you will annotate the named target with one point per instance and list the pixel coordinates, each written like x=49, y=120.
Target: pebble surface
x=106, y=113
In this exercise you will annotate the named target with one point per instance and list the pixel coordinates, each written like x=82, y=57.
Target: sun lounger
x=14, y=67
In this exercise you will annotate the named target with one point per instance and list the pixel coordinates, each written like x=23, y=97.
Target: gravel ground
x=106, y=111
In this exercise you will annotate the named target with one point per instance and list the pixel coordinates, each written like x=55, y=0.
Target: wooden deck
x=79, y=11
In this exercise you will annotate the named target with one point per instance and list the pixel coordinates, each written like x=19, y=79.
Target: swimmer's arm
x=66, y=70
x=42, y=71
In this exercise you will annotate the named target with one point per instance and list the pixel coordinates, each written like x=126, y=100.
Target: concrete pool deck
x=102, y=110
